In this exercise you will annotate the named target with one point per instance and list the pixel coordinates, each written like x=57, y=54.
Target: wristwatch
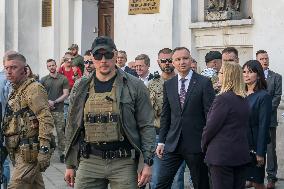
x=149, y=161
x=44, y=149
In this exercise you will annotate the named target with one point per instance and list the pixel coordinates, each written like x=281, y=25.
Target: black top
x=224, y=138
x=260, y=107
x=102, y=87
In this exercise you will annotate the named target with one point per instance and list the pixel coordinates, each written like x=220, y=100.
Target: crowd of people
x=118, y=124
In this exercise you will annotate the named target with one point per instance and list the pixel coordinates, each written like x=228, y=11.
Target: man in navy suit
x=187, y=99
x=121, y=63
x=274, y=88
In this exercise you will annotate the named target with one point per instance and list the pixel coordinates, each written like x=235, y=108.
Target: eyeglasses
x=169, y=60
x=99, y=56
x=88, y=62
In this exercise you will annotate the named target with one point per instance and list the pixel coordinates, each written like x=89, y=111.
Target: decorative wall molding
x=218, y=24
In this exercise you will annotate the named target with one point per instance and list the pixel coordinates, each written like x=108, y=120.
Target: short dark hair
x=144, y=57
x=255, y=67
x=50, y=60
x=88, y=53
x=16, y=56
x=181, y=48
x=165, y=51
x=260, y=52
x=231, y=50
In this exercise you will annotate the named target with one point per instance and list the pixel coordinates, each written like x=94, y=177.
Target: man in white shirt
x=142, y=65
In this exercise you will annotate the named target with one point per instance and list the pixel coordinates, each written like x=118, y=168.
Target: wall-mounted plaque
x=143, y=7
x=46, y=16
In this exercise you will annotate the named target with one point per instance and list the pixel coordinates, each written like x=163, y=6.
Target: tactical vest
x=19, y=120
x=101, y=117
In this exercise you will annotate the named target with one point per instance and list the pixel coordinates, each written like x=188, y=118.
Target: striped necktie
x=182, y=92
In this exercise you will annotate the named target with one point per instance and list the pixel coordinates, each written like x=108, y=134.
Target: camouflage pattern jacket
x=136, y=115
x=156, y=95
x=30, y=95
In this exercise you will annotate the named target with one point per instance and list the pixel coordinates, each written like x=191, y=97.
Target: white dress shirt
x=186, y=83
x=265, y=73
x=123, y=68
x=145, y=79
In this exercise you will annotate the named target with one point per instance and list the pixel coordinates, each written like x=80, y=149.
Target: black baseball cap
x=212, y=55
x=103, y=42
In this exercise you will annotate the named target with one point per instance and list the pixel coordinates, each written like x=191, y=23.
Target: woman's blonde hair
x=233, y=78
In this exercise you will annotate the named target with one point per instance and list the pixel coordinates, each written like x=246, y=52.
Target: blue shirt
x=4, y=90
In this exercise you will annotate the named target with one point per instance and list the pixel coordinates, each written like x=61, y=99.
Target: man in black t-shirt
x=111, y=124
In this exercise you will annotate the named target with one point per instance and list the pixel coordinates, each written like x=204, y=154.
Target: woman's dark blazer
x=259, y=121
x=224, y=138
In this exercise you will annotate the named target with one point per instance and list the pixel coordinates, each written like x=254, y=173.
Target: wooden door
x=106, y=18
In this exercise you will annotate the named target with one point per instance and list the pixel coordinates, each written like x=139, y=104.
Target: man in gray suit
x=274, y=87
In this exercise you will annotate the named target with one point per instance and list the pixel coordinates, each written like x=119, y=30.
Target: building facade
x=42, y=29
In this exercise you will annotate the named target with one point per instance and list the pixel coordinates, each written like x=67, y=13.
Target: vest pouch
x=25, y=152
x=102, y=132
x=12, y=142
x=34, y=151
x=12, y=127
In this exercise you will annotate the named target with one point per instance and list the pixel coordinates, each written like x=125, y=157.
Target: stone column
x=2, y=29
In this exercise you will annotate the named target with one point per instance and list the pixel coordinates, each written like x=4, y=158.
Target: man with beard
x=57, y=88
x=88, y=62
x=77, y=60
x=156, y=95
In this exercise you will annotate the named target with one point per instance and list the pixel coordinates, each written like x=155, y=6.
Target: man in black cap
x=77, y=60
x=110, y=125
x=213, y=61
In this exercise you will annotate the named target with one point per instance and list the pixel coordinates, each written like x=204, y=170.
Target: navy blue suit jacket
x=260, y=115
x=187, y=123
x=130, y=71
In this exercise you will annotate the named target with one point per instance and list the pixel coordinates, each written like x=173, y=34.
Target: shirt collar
x=123, y=68
x=146, y=78
x=188, y=76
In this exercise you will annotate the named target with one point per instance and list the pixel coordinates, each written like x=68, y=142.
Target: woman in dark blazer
x=224, y=137
x=259, y=121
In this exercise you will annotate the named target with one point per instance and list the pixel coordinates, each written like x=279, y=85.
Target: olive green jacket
x=136, y=115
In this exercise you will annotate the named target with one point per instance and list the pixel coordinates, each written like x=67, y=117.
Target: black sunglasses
x=88, y=62
x=99, y=56
x=169, y=60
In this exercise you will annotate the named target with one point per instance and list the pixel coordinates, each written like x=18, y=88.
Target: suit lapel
x=175, y=89
x=269, y=76
x=190, y=89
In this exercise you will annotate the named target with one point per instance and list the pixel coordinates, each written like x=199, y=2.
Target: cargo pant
x=97, y=173
x=25, y=175
x=60, y=127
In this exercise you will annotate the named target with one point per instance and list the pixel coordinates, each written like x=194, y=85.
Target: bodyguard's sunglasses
x=99, y=56
x=88, y=62
x=169, y=60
